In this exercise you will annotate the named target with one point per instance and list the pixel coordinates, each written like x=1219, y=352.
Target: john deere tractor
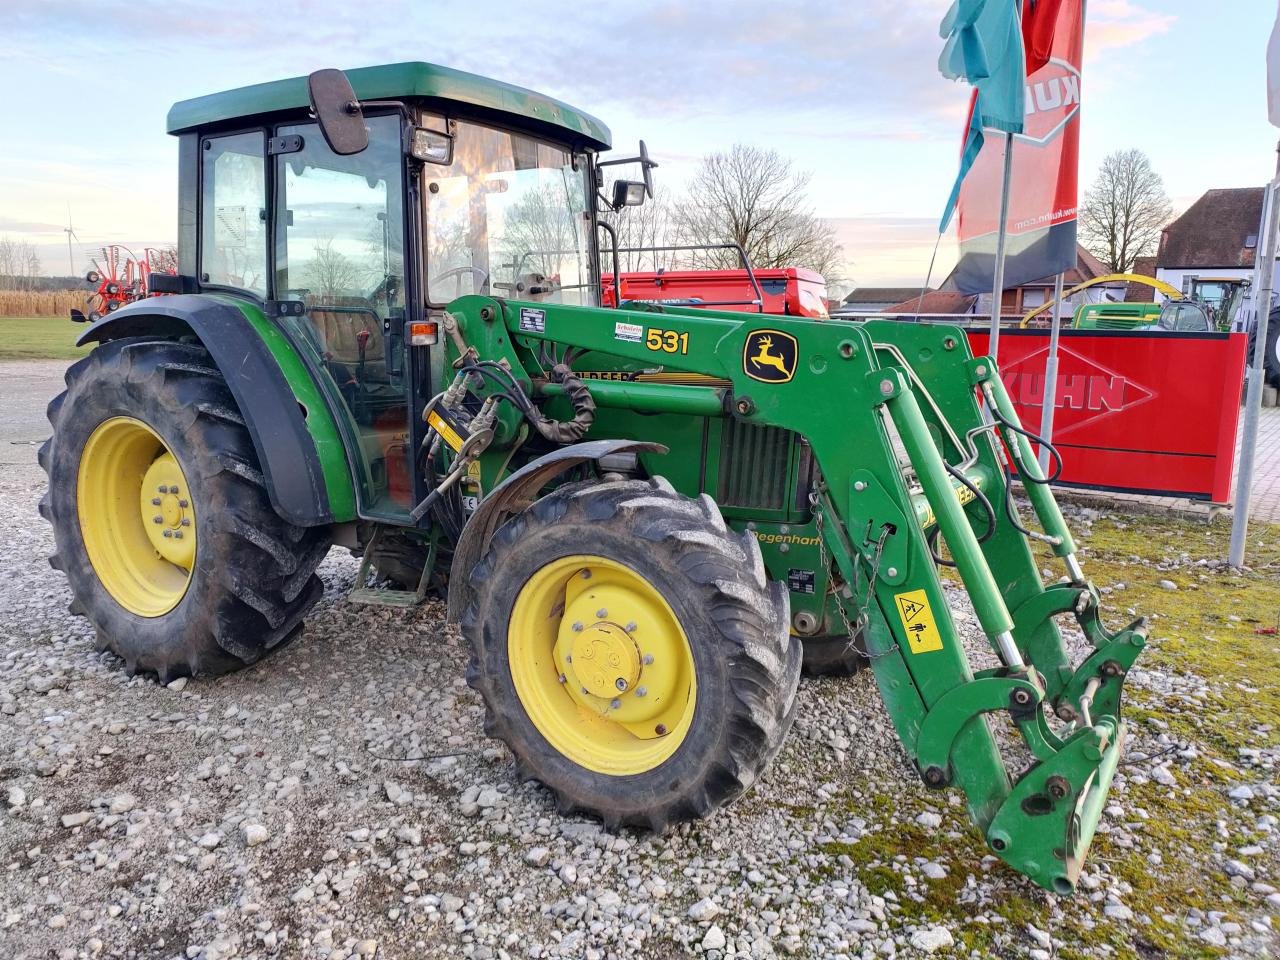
x=385, y=333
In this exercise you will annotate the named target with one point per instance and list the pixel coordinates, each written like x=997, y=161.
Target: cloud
x=1115, y=24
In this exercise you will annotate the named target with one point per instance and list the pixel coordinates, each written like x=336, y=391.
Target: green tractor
x=385, y=333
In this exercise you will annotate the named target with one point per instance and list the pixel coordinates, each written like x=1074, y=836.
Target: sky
x=849, y=91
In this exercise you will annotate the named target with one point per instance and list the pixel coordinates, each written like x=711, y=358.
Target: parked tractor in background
x=386, y=332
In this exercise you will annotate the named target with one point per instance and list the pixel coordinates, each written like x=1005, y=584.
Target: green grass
x=40, y=338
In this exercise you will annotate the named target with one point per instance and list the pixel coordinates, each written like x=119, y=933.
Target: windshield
x=508, y=217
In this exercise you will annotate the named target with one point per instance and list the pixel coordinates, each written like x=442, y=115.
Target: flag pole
x=1051, y=377
x=997, y=287
x=1253, y=397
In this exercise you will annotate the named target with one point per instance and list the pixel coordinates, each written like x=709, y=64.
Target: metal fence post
x=1253, y=397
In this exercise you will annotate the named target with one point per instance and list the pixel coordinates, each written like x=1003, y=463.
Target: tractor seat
x=339, y=328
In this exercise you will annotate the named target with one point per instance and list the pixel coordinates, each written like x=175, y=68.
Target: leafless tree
x=640, y=229
x=756, y=198
x=1124, y=210
x=19, y=264
x=540, y=234
x=330, y=273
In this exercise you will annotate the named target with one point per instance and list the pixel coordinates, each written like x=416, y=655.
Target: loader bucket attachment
x=962, y=439
x=1045, y=827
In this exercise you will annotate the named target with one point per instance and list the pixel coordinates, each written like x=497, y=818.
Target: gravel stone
x=360, y=812
x=931, y=939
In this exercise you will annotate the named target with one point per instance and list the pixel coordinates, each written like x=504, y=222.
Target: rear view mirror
x=337, y=112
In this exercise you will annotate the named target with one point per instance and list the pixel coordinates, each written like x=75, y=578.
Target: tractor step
x=372, y=596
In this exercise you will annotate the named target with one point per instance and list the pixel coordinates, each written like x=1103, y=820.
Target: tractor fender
x=271, y=410
x=514, y=494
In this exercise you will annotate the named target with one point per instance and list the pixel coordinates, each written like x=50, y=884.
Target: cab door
x=340, y=250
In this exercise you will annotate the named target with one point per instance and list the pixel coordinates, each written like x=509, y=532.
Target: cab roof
x=398, y=81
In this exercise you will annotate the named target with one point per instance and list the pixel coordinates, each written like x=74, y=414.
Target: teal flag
x=984, y=47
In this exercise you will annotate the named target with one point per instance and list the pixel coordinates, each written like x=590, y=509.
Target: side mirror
x=337, y=112
x=628, y=193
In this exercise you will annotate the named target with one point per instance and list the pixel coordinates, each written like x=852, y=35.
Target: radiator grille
x=755, y=466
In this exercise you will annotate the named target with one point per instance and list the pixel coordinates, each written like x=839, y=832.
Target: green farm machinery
x=386, y=333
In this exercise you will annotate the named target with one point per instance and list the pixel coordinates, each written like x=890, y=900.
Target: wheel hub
x=166, y=511
x=606, y=660
x=136, y=518
x=602, y=665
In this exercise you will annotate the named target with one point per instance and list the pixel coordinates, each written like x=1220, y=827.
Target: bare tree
x=640, y=230
x=755, y=198
x=1124, y=210
x=19, y=264
x=330, y=273
x=540, y=233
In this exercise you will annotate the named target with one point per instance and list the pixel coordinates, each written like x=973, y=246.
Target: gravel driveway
x=341, y=800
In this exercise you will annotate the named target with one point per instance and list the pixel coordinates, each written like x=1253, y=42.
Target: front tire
x=198, y=575
x=684, y=685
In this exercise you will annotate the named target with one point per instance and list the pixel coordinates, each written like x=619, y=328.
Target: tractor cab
x=356, y=212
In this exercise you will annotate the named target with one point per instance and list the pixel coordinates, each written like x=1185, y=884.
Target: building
x=1210, y=252
x=865, y=300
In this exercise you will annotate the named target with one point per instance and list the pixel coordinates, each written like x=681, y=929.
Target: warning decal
x=917, y=620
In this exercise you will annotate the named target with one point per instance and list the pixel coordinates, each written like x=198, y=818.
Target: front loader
x=386, y=333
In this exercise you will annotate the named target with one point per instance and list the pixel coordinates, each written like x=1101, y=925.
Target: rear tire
x=734, y=623
x=252, y=576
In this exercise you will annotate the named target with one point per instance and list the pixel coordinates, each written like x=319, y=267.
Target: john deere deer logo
x=769, y=356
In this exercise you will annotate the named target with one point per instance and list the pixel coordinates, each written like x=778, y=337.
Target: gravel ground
x=341, y=801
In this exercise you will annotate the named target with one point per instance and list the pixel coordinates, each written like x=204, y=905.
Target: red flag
x=1043, y=192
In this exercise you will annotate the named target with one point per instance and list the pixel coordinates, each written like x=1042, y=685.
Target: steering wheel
x=457, y=273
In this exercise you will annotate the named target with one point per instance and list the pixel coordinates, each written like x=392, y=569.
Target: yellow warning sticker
x=439, y=425
x=917, y=620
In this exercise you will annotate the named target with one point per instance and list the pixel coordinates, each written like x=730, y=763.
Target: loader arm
x=849, y=389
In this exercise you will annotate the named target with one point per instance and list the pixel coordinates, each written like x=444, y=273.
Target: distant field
x=39, y=338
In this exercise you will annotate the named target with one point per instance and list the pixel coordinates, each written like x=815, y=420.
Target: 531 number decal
x=668, y=341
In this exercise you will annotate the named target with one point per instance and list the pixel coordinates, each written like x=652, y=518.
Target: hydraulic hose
x=584, y=409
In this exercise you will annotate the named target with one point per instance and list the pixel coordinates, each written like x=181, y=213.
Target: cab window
x=233, y=212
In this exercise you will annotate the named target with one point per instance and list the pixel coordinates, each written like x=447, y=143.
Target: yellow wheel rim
x=137, y=520
x=601, y=665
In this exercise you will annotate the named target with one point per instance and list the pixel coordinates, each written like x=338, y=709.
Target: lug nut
x=586, y=574
x=168, y=533
x=568, y=658
x=155, y=501
x=163, y=488
x=647, y=659
x=157, y=519
x=177, y=534
x=641, y=691
x=563, y=678
x=602, y=613
x=614, y=704
x=620, y=683
x=577, y=626
x=631, y=625
x=183, y=504
x=660, y=729
x=185, y=522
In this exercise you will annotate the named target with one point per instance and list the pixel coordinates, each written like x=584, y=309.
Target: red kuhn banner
x=1042, y=197
x=1139, y=412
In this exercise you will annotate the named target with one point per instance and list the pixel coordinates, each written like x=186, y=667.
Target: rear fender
x=297, y=442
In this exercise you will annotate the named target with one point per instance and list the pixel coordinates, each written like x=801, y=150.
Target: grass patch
x=40, y=338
